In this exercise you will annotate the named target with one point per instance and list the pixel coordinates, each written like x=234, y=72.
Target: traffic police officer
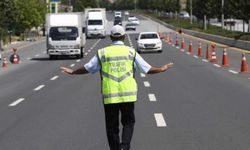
x=117, y=64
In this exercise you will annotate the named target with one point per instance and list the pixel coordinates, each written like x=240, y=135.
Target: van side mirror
x=136, y=39
x=83, y=29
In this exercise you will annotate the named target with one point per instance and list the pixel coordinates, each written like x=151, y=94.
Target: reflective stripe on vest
x=117, y=71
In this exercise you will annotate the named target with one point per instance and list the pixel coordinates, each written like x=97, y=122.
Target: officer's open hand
x=66, y=70
x=167, y=66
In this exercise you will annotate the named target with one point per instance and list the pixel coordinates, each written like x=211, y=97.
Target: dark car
x=118, y=21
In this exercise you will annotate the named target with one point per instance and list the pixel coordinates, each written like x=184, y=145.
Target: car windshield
x=95, y=22
x=63, y=33
x=134, y=19
x=130, y=24
x=149, y=36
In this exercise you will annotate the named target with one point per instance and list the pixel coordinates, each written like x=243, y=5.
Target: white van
x=118, y=14
x=96, y=22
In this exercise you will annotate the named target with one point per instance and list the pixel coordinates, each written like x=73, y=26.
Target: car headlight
x=159, y=43
x=140, y=44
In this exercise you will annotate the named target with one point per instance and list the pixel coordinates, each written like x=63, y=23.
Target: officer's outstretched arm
x=154, y=70
x=70, y=71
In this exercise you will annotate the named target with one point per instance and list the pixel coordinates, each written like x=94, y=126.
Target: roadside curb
x=21, y=46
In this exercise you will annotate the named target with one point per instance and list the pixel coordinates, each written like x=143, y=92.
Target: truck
x=96, y=22
x=65, y=34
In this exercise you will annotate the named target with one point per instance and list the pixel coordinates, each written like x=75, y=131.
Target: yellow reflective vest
x=117, y=74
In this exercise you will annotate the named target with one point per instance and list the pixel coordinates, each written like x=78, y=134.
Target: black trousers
x=112, y=112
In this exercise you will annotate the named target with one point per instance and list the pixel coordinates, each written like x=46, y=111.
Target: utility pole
x=191, y=12
x=222, y=15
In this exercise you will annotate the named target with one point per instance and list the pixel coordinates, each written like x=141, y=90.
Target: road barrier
x=14, y=58
x=225, y=62
x=190, y=48
x=244, y=65
x=200, y=50
x=5, y=64
x=213, y=58
x=183, y=44
x=176, y=40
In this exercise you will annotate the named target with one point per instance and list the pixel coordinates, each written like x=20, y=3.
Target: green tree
x=7, y=18
x=31, y=13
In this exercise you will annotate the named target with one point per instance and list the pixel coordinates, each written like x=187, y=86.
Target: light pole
x=222, y=15
x=191, y=12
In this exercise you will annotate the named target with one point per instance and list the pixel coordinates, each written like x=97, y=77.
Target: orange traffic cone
x=182, y=44
x=225, y=62
x=213, y=58
x=244, y=65
x=200, y=50
x=4, y=65
x=208, y=56
x=15, y=59
x=190, y=48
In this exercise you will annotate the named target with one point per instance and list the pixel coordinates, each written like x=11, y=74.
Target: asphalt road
x=193, y=106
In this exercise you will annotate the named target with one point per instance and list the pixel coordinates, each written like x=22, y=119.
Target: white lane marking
x=182, y=50
x=188, y=53
x=160, y=121
x=234, y=72
x=72, y=65
x=142, y=75
x=177, y=47
x=78, y=60
x=146, y=84
x=131, y=44
x=89, y=50
x=28, y=58
x=204, y=60
x=54, y=78
x=196, y=56
x=216, y=65
x=36, y=55
x=86, y=53
x=39, y=87
x=17, y=102
x=152, y=97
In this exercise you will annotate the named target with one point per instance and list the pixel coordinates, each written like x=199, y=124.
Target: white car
x=126, y=13
x=130, y=26
x=134, y=20
x=149, y=42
